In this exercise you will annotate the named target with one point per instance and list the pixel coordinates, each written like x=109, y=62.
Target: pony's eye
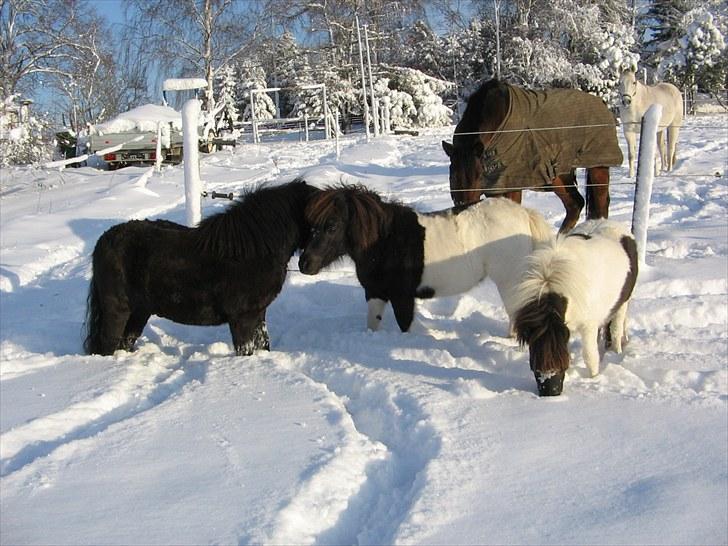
x=331, y=228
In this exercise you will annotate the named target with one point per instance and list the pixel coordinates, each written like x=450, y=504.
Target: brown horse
x=510, y=139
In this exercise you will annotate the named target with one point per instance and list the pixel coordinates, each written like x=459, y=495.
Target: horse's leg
x=134, y=328
x=375, y=308
x=404, y=311
x=631, y=138
x=662, y=146
x=597, y=193
x=617, y=328
x=115, y=317
x=672, y=134
x=564, y=186
x=590, y=348
x=515, y=196
x=249, y=334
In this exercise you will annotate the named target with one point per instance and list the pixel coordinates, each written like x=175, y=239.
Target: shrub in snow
x=402, y=109
x=21, y=135
x=415, y=98
x=697, y=55
x=253, y=77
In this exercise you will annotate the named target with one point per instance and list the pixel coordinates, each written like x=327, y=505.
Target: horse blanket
x=516, y=158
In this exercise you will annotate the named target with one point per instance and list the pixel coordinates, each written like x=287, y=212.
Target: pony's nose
x=304, y=265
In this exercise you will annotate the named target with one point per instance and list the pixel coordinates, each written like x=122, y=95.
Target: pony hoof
x=550, y=384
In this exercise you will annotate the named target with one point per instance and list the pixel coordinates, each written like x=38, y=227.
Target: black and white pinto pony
x=226, y=270
x=636, y=98
x=401, y=254
x=579, y=283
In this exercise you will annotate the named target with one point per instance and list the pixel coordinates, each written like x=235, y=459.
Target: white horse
x=636, y=99
x=579, y=283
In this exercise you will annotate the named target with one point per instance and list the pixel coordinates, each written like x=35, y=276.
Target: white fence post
x=645, y=177
x=336, y=133
x=363, y=78
x=190, y=143
x=158, y=151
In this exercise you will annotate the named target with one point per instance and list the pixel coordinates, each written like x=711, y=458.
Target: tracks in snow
x=150, y=378
x=389, y=417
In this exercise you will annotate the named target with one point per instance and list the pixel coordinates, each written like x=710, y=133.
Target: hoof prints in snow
x=392, y=419
x=150, y=379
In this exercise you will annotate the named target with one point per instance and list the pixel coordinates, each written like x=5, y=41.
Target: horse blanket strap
x=517, y=157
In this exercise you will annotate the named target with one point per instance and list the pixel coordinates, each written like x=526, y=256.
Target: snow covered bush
x=402, y=109
x=21, y=135
x=697, y=55
x=415, y=98
x=249, y=78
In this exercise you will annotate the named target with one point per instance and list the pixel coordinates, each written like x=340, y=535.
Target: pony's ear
x=447, y=147
x=367, y=218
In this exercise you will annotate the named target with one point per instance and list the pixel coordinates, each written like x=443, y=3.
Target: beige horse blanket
x=533, y=144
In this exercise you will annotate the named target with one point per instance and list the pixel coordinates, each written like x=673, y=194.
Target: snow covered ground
x=344, y=436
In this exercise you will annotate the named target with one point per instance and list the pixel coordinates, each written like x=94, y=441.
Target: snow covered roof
x=142, y=118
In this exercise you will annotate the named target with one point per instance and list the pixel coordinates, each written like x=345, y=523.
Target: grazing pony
x=511, y=138
x=636, y=99
x=226, y=270
x=579, y=283
x=401, y=255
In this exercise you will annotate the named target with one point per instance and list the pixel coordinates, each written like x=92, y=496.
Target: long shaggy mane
x=264, y=222
x=552, y=269
x=367, y=215
x=540, y=324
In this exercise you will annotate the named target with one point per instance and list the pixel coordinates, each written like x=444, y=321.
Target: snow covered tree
x=288, y=66
x=696, y=54
x=62, y=53
x=226, y=98
x=21, y=134
x=192, y=37
x=253, y=77
x=424, y=107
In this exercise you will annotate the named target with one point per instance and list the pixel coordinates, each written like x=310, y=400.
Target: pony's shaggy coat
x=401, y=255
x=580, y=282
x=226, y=270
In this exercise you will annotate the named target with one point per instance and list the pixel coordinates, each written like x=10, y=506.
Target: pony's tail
x=541, y=232
x=92, y=325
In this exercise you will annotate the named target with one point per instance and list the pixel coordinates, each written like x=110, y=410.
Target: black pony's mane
x=482, y=106
x=267, y=220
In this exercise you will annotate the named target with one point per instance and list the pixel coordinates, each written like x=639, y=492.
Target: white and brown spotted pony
x=579, y=283
x=636, y=98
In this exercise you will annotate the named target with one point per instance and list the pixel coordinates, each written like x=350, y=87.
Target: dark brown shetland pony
x=226, y=270
x=491, y=153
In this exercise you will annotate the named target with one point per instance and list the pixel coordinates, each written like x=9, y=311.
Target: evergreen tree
x=696, y=54
x=227, y=111
x=249, y=78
